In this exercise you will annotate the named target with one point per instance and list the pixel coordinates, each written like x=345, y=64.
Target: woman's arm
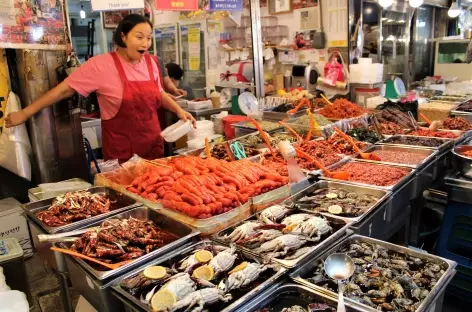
x=169, y=104
x=54, y=95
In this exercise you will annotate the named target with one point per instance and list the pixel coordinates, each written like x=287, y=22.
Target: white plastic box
x=193, y=106
x=14, y=225
x=366, y=73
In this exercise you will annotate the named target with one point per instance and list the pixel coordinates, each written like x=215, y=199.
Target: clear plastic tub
x=269, y=21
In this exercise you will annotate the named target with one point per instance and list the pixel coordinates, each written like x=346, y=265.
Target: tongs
x=338, y=175
x=376, y=123
x=413, y=120
x=68, y=236
x=368, y=156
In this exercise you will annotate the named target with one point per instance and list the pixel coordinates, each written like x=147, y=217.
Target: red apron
x=135, y=129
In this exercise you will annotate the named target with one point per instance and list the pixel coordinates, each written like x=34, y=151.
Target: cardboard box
x=13, y=224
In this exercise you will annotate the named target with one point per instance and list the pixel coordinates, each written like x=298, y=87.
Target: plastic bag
x=15, y=147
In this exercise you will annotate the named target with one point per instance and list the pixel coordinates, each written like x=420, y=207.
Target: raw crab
x=243, y=231
x=313, y=226
x=181, y=285
x=295, y=219
x=243, y=277
x=274, y=213
x=201, y=297
x=224, y=260
x=261, y=237
x=282, y=245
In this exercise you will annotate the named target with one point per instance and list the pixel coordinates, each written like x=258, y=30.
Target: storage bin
x=14, y=225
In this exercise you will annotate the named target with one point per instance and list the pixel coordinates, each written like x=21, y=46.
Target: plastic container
x=228, y=121
x=362, y=95
x=205, y=128
x=200, y=142
x=13, y=224
x=176, y=131
x=199, y=105
x=13, y=264
x=368, y=73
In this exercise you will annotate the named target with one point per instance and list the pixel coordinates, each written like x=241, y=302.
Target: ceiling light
x=82, y=12
x=454, y=10
x=385, y=3
x=416, y=3
x=368, y=10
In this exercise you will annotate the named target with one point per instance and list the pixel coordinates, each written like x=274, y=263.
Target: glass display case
x=450, y=60
x=166, y=43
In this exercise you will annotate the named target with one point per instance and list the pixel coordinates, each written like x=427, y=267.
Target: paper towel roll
x=365, y=61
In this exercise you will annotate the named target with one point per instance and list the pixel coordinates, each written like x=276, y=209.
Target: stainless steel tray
x=37, y=193
x=339, y=225
x=299, y=274
x=241, y=126
x=285, y=295
x=466, y=115
x=406, y=179
x=123, y=203
x=270, y=115
x=447, y=143
x=185, y=234
x=427, y=153
x=382, y=194
x=174, y=257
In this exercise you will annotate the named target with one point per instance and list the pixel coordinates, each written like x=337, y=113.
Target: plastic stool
x=456, y=234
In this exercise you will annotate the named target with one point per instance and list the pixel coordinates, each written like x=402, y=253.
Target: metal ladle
x=339, y=266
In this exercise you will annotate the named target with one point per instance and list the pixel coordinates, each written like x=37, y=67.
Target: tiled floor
x=44, y=286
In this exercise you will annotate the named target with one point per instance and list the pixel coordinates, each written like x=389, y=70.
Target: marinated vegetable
x=341, y=146
x=337, y=201
x=399, y=157
x=342, y=109
x=364, y=134
x=373, y=174
x=305, y=120
x=418, y=141
x=321, y=151
x=254, y=140
x=465, y=107
x=436, y=134
x=74, y=206
x=384, y=279
x=120, y=240
x=265, y=125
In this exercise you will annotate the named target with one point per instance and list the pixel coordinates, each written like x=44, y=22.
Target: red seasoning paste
x=373, y=174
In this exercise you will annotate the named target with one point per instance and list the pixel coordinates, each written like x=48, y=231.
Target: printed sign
x=226, y=5
x=177, y=5
x=194, y=48
x=112, y=5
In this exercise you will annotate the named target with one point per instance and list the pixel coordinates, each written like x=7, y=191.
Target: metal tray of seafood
x=299, y=275
x=465, y=115
x=448, y=143
x=123, y=203
x=427, y=153
x=405, y=180
x=185, y=234
x=284, y=295
x=169, y=258
x=36, y=193
x=260, y=145
x=342, y=226
x=383, y=195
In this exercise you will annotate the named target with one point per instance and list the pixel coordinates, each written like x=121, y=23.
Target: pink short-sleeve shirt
x=100, y=74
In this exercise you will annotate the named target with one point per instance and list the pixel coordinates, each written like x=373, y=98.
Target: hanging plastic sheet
x=15, y=147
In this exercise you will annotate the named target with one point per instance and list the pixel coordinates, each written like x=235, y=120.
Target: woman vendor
x=129, y=91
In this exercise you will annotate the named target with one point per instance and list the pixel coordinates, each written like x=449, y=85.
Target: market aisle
x=44, y=287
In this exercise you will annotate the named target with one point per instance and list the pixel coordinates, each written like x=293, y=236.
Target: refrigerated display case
x=166, y=44
x=197, y=42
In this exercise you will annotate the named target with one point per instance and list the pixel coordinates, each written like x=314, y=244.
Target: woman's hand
x=183, y=115
x=15, y=119
x=180, y=92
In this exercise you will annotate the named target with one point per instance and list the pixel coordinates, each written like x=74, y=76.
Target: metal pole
x=257, y=47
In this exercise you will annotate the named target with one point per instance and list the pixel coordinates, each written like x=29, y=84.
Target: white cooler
x=14, y=225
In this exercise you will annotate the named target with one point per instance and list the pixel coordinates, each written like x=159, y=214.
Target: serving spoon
x=339, y=266
x=368, y=156
x=338, y=175
x=111, y=266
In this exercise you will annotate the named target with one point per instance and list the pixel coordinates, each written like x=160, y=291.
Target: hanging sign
x=113, y=5
x=177, y=5
x=226, y=5
x=194, y=48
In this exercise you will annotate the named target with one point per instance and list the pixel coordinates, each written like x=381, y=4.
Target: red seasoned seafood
x=373, y=174
x=406, y=158
x=457, y=123
x=436, y=134
x=74, y=206
x=341, y=146
x=120, y=240
x=342, y=108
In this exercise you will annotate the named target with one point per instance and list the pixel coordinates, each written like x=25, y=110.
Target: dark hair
x=125, y=26
x=174, y=71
